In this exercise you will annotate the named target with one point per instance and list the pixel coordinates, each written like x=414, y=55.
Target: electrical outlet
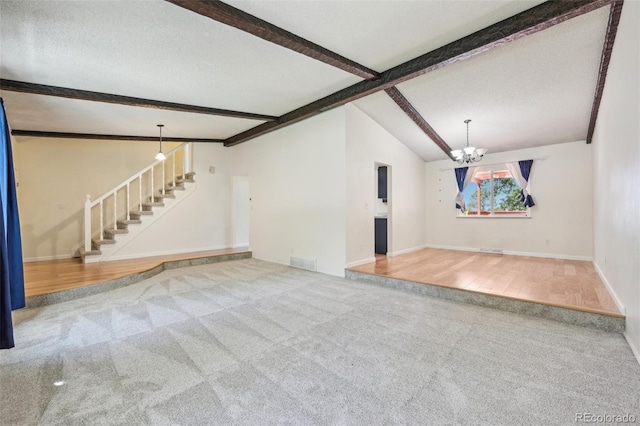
x=548, y=242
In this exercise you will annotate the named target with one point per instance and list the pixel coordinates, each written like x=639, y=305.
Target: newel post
x=87, y=223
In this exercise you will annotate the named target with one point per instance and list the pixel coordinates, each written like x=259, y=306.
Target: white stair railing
x=146, y=186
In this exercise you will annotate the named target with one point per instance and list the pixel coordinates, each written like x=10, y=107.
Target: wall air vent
x=298, y=262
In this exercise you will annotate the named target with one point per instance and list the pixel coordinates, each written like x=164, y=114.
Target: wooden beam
x=610, y=38
x=38, y=134
x=413, y=114
x=229, y=15
x=529, y=22
x=86, y=95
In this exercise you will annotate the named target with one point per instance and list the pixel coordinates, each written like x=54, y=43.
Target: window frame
x=492, y=215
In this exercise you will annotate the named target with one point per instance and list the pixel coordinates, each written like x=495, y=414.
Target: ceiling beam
x=413, y=114
x=516, y=27
x=610, y=37
x=38, y=134
x=229, y=15
x=85, y=95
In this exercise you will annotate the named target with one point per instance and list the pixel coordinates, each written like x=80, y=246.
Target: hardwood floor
x=56, y=275
x=569, y=284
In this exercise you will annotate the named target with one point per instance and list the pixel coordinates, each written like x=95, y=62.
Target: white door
x=240, y=212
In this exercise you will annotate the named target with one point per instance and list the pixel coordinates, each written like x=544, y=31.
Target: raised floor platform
x=569, y=291
x=57, y=281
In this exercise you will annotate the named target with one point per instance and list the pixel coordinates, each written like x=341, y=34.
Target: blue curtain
x=525, y=169
x=11, y=272
x=461, y=174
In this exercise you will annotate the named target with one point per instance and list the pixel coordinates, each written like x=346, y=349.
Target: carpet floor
x=250, y=342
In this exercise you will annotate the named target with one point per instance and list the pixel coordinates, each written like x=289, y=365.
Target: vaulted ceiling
x=526, y=72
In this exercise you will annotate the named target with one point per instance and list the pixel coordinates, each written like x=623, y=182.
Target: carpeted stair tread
x=126, y=222
x=185, y=180
x=150, y=205
x=166, y=195
x=98, y=243
x=117, y=231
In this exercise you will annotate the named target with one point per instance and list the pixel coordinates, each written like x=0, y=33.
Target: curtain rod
x=442, y=169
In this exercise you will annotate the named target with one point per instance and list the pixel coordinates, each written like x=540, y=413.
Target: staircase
x=112, y=220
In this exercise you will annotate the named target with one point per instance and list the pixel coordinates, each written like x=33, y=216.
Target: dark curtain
x=461, y=174
x=11, y=272
x=525, y=169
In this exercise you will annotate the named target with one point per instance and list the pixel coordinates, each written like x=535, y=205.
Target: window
x=493, y=192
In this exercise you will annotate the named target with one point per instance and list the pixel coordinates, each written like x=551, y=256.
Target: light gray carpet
x=250, y=342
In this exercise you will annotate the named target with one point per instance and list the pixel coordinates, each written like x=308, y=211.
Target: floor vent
x=490, y=250
x=298, y=262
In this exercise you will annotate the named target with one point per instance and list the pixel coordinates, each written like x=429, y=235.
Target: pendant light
x=160, y=156
x=469, y=154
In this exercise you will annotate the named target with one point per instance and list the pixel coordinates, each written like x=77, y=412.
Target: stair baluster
x=115, y=207
x=101, y=220
x=128, y=209
x=152, y=186
x=163, y=184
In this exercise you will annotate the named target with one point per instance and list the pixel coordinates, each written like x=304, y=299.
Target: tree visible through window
x=493, y=193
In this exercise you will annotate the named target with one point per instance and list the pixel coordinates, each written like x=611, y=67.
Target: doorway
x=382, y=209
x=240, y=211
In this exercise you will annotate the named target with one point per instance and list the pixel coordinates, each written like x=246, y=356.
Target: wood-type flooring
x=56, y=275
x=571, y=284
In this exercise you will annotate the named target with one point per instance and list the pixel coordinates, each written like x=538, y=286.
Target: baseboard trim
x=515, y=253
x=612, y=292
x=165, y=253
x=43, y=258
x=361, y=262
x=405, y=251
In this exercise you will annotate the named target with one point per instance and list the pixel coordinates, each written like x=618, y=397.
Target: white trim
x=635, y=351
x=42, y=258
x=549, y=255
x=515, y=253
x=405, y=251
x=612, y=292
x=360, y=262
x=165, y=253
x=238, y=245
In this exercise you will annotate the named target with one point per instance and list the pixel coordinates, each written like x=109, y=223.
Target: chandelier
x=160, y=155
x=469, y=154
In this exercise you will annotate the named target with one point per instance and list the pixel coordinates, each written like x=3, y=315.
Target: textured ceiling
x=535, y=91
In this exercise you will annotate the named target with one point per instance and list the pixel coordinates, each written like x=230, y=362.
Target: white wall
x=367, y=144
x=616, y=182
x=297, y=189
x=200, y=221
x=54, y=175
x=561, y=189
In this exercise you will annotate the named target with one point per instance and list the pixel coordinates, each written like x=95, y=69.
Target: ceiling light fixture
x=469, y=154
x=160, y=156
